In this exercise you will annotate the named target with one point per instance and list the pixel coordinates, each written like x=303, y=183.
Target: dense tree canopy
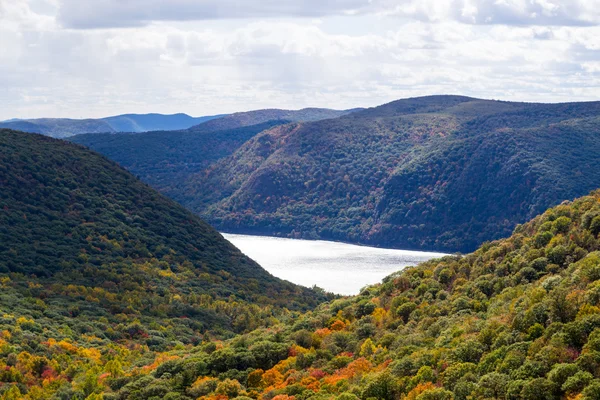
x=518, y=319
x=85, y=244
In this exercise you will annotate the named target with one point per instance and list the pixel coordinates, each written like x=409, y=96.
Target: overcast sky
x=93, y=58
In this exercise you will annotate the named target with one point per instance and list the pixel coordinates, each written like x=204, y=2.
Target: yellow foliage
x=379, y=315
x=91, y=354
x=368, y=348
x=587, y=309
x=24, y=320
x=167, y=273
x=66, y=346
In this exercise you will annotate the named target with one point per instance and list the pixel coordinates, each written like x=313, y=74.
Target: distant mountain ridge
x=66, y=127
x=165, y=159
x=249, y=118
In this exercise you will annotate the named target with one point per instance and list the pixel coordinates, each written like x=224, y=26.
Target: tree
x=493, y=385
x=538, y=389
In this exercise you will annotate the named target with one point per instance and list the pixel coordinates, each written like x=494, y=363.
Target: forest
x=91, y=253
x=517, y=319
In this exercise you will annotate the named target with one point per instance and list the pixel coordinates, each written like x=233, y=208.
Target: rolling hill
x=166, y=159
x=249, y=118
x=64, y=127
x=518, y=319
x=86, y=245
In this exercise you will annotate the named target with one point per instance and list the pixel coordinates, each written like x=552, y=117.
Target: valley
x=299, y=200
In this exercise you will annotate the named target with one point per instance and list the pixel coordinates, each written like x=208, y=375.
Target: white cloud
x=122, y=13
x=221, y=66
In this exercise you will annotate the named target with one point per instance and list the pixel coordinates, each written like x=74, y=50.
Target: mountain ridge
x=66, y=127
x=387, y=147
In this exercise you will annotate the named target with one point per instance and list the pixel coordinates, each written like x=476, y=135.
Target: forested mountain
x=444, y=173
x=89, y=253
x=439, y=173
x=167, y=159
x=242, y=119
x=519, y=319
x=64, y=127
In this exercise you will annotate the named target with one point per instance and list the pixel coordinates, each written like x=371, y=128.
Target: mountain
x=443, y=173
x=58, y=127
x=154, y=122
x=517, y=319
x=86, y=248
x=64, y=127
x=165, y=160
x=242, y=119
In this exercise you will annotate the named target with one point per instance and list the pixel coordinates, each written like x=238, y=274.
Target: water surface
x=336, y=267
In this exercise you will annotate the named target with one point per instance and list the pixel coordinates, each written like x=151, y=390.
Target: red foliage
x=317, y=373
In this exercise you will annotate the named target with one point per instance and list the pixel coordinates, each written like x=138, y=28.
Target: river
x=336, y=267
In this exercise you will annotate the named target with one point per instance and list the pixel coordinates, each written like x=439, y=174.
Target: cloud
x=84, y=14
x=398, y=50
x=127, y=13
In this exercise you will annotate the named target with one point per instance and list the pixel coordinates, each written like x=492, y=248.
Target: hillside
x=242, y=119
x=64, y=127
x=86, y=246
x=166, y=159
x=518, y=319
x=442, y=173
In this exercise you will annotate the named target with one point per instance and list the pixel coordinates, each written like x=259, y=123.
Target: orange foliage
x=355, y=369
x=338, y=325
x=323, y=332
x=160, y=358
x=284, y=397
x=272, y=377
x=421, y=387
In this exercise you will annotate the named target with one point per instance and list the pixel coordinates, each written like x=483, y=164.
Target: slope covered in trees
x=165, y=160
x=518, y=319
x=87, y=249
x=249, y=118
x=443, y=172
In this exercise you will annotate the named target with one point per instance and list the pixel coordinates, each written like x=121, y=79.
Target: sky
x=94, y=58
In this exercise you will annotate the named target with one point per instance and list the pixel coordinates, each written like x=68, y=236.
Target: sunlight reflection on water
x=336, y=267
